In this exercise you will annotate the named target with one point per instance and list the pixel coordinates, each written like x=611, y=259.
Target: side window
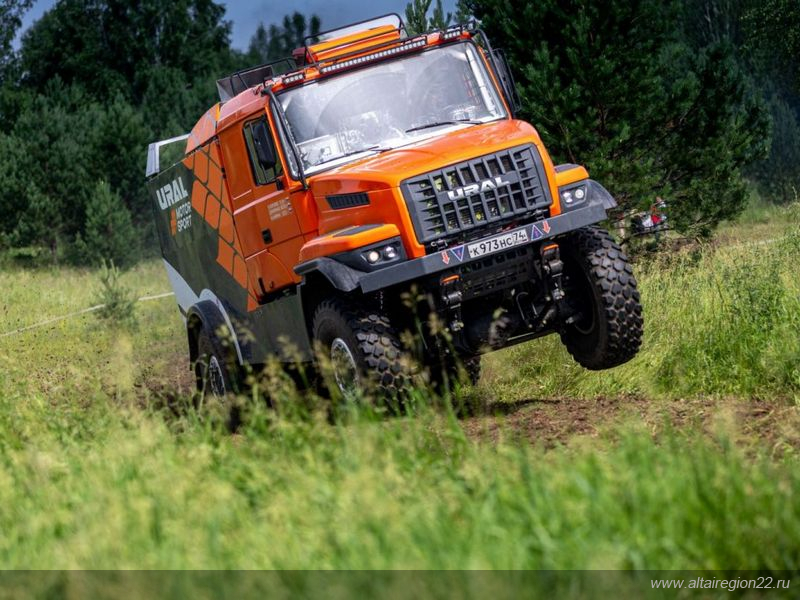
x=262, y=172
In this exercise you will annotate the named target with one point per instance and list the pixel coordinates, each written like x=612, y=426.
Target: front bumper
x=349, y=279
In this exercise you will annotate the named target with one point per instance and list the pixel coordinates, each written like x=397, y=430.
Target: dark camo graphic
x=195, y=227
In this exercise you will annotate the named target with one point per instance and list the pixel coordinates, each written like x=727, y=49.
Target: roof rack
x=392, y=19
x=233, y=85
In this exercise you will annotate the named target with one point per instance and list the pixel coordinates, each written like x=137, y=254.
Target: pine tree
x=614, y=85
x=276, y=42
x=108, y=233
x=417, y=20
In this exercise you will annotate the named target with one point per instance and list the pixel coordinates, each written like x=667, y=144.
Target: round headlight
x=579, y=193
x=373, y=256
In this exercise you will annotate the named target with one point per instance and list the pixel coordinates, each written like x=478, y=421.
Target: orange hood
x=388, y=169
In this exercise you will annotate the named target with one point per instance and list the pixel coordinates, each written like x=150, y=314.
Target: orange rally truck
x=302, y=208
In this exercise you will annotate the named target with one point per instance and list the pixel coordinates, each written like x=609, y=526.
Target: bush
x=118, y=301
x=109, y=233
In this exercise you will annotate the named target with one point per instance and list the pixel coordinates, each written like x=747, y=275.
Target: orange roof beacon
x=300, y=210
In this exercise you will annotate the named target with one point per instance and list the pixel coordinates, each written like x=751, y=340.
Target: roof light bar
x=346, y=64
x=290, y=79
x=453, y=32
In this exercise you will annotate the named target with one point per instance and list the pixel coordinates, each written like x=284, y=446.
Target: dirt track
x=551, y=422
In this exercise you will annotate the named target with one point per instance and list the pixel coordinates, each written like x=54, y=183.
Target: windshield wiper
x=375, y=148
x=442, y=123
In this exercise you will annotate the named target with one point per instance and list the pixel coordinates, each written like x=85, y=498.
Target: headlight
x=375, y=256
x=387, y=253
x=573, y=196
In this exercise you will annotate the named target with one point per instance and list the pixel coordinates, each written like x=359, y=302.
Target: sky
x=247, y=14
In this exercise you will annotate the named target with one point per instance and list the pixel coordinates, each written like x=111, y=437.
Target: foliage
x=778, y=175
x=127, y=73
x=773, y=28
x=667, y=120
x=112, y=47
x=108, y=233
x=11, y=12
x=765, y=37
x=418, y=21
x=118, y=302
x=276, y=42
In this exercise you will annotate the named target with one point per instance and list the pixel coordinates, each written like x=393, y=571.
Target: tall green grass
x=105, y=462
x=719, y=321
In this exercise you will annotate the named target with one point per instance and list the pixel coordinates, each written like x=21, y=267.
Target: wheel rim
x=216, y=380
x=343, y=364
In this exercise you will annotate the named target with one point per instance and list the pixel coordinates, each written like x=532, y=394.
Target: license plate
x=498, y=243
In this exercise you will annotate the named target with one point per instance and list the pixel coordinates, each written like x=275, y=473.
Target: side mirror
x=506, y=79
x=265, y=151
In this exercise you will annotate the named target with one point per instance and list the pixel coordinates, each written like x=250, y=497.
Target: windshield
x=389, y=104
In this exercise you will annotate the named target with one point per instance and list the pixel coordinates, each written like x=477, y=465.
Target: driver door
x=263, y=213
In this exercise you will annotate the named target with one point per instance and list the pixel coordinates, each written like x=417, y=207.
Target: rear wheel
x=363, y=348
x=216, y=373
x=600, y=286
x=211, y=369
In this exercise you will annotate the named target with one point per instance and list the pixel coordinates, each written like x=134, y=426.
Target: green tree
x=46, y=190
x=12, y=99
x=109, y=233
x=117, y=142
x=279, y=41
x=111, y=47
x=11, y=12
x=766, y=40
x=778, y=175
x=615, y=85
x=773, y=34
x=418, y=21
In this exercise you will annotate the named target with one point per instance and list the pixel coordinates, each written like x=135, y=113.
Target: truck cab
x=369, y=167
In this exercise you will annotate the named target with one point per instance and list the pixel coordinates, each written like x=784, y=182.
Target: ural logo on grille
x=477, y=188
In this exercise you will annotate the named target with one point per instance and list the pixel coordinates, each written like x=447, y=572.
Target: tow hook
x=452, y=295
x=553, y=269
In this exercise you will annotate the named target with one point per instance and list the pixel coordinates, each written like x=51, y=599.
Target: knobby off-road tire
x=217, y=374
x=365, y=338
x=596, y=268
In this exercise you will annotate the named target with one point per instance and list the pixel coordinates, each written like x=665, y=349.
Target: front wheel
x=601, y=288
x=363, y=349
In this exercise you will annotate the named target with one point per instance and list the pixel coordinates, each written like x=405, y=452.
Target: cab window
x=261, y=173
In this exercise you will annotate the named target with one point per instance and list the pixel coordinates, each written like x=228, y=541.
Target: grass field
x=685, y=458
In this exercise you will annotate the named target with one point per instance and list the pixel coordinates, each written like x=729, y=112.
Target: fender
x=213, y=321
x=339, y=275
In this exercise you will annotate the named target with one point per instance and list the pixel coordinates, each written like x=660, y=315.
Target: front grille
x=459, y=202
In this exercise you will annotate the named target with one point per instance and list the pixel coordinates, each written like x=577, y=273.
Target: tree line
x=696, y=101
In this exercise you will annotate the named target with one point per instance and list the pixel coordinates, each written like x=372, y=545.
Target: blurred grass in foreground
x=101, y=485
